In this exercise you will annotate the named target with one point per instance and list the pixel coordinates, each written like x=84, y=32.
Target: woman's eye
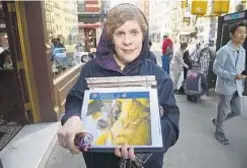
x=134, y=33
x=120, y=34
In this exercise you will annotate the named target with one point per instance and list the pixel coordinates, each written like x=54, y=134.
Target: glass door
x=13, y=93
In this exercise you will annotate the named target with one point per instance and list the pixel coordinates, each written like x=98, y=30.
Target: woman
x=177, y=64
x=122, y=51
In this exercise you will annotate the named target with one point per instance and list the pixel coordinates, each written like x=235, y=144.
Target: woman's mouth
x=128, y=51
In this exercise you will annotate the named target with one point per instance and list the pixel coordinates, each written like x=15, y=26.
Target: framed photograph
x=118, y=116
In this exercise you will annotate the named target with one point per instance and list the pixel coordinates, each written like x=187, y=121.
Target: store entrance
x=13, y=92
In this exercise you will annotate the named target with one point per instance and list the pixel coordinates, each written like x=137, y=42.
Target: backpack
x=169, y=49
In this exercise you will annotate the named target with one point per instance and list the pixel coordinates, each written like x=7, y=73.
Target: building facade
x=91, y=14
x=144, y=6
x=57, y=14
x=176, y=22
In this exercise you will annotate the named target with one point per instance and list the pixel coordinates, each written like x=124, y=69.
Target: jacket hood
x=105, y=50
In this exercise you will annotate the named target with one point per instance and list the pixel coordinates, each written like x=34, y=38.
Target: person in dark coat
x=122, y=51
x=187, y=60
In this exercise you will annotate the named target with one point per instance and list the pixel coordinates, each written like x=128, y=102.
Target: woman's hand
x=125, y=152
x=67, y=132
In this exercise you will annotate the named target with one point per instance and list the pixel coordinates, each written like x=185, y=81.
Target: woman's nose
x=127, y=40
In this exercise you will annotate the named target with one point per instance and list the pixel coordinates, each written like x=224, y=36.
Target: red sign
x=92, y=6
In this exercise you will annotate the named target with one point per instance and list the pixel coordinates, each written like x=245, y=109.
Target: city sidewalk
x=31, y=147
x=196, y=147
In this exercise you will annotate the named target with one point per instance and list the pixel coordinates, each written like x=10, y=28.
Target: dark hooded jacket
x=152, y=57
x=105, y=65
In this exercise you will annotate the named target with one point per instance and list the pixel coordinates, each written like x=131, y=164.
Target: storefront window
x=63, y=42
x=5, y=55
x=13, y=91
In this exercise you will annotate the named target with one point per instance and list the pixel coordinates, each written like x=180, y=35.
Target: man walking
x=229, y=67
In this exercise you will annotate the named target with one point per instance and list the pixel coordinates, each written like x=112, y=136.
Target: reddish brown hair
x=118, y=15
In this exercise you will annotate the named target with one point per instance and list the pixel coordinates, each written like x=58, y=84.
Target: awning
x=89, y=25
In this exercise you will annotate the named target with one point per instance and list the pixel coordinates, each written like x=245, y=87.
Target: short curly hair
x=118, y=15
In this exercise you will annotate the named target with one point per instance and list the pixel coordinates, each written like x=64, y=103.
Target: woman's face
x=128, y=41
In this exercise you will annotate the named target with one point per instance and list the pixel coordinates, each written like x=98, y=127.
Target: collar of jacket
x=232, y=47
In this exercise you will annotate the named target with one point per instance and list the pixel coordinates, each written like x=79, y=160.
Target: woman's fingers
x=67, y=132
x=71, y=145
x=118, y=152
x=61, y=140
x=131, y=154
x=126, y=152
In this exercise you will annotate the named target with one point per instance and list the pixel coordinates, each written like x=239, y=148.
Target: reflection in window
x=5, y=54
x=5, y=60
x=64, y=47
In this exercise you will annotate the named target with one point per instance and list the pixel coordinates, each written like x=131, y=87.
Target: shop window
x=65, y=46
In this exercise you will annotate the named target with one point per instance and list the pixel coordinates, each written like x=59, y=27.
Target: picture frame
x=122, y=115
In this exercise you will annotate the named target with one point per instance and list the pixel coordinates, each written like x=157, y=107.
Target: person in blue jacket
x=122, y=51
x=229, y=66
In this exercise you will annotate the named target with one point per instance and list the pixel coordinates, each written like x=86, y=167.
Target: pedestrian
x=195, y=84
x=167, y=51
x=6, y=60
x=122, y=51
x=187, y=60
x=229, y=66
x=196, y=52
x=204, y=58
x=177, y=64
x=151, y=55
x=60, y=44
